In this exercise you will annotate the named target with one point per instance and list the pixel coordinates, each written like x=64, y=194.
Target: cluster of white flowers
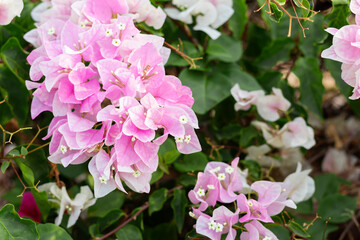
x=209, y=14
x=83, y=200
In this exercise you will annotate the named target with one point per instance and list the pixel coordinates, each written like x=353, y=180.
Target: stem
x=130, y=219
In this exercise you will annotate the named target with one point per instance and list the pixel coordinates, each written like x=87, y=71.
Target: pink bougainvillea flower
x=269, y=106
x=244, y=99
x=228, y=177
x=206, y=191
x=298, y=134
x=256, y=231
x=29, y=208
x=9, y=9
x=220, y=223
x=253, y=209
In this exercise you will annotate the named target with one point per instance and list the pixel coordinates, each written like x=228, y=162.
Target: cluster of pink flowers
x=106, y=86
x=223, y=183
x=346, y=49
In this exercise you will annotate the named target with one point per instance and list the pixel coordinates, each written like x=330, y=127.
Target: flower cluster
x=346, y=49
x=209, y=14
x=74, y=207
x=9, y=9
x=287, y=139
x=106, y=86
x=222, y=183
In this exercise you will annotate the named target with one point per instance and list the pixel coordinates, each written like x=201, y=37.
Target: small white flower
x=267, y=238
x=116, y=42
x=200, y=192
x=109, y=32
x=212, y=225
x=183, y=119
x=221, y=176
x=229, y=170
x=210, y=187
x=187, y=138
x=69, y=208
x=250, y=203
x=179, y=139
x=51, y=31
x=191, y=214
x=219, y=227
x=63, y=149
x=136, y=174
x=133, y=139
x=121, y=26
x=215, y=170
x=83, y=24
x=103, y=179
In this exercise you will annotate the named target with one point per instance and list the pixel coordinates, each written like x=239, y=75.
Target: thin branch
x=21, y=181
x=36, y=135
x=188, y=59
x=133, y=217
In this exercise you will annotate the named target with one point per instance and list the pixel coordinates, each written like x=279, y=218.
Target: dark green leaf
x=298, y=230
x=51, y=231
x=192, y=162
x=178, y=204
x=104, y=205
x=27, y=173
x=23, y=151
x=339, y=208
x=239, y=19
x=4, y=166
x=157, y=175
x=14, y=227
x=225, y=49
x=157, y=200
x=311, y=87
x=327, y=184
x=277, y=51
x=276, y=13
x=338, y=16
x=15, y=58
x=129, y=232
x=17, y=94
x=41, y=199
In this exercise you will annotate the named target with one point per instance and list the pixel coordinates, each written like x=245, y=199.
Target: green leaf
x=23, y=151
x=338, y=16
x=17, y=94
x=239, y=19
x=247, y=135
x=298, y=230
x=277, y=51
x=27, y=173
x=15, y=58
x=335, y=70
x=339, y=208
x=178, y=204
x=129, y=232
x=276, y=13
x=211, y=90
x=105, y=222
x=327, y=184
x=315, y=36
x=14, y=227
x=51, y=231
x=225, y=49
x=311, y=88
x=6, y=113
x=157, y=200
x=189, y=49
x=254, y=168
x=104, y=205
x=192, y=162
x=4, y=166
x=41, y=199
x=156, y=176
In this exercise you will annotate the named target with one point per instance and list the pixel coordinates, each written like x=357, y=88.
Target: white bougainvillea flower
x=257, y=153
x=272, y=136
x=83, y=200
x=336, y=161
x=9, y=9
x=299, y=185
x=298, y=134
x=269, y=106
x=244, y=99
x=208, y=15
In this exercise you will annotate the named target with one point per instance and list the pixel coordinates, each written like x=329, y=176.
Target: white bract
x=9, y=9
x=298, y=134
x=82, y=201
x=209, y=15
x=299, y=185
x=245, y=99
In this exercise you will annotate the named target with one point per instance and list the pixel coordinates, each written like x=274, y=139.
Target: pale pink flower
x=9, y=9
x=256, y=231
x=244, y=99
x=269, y=106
